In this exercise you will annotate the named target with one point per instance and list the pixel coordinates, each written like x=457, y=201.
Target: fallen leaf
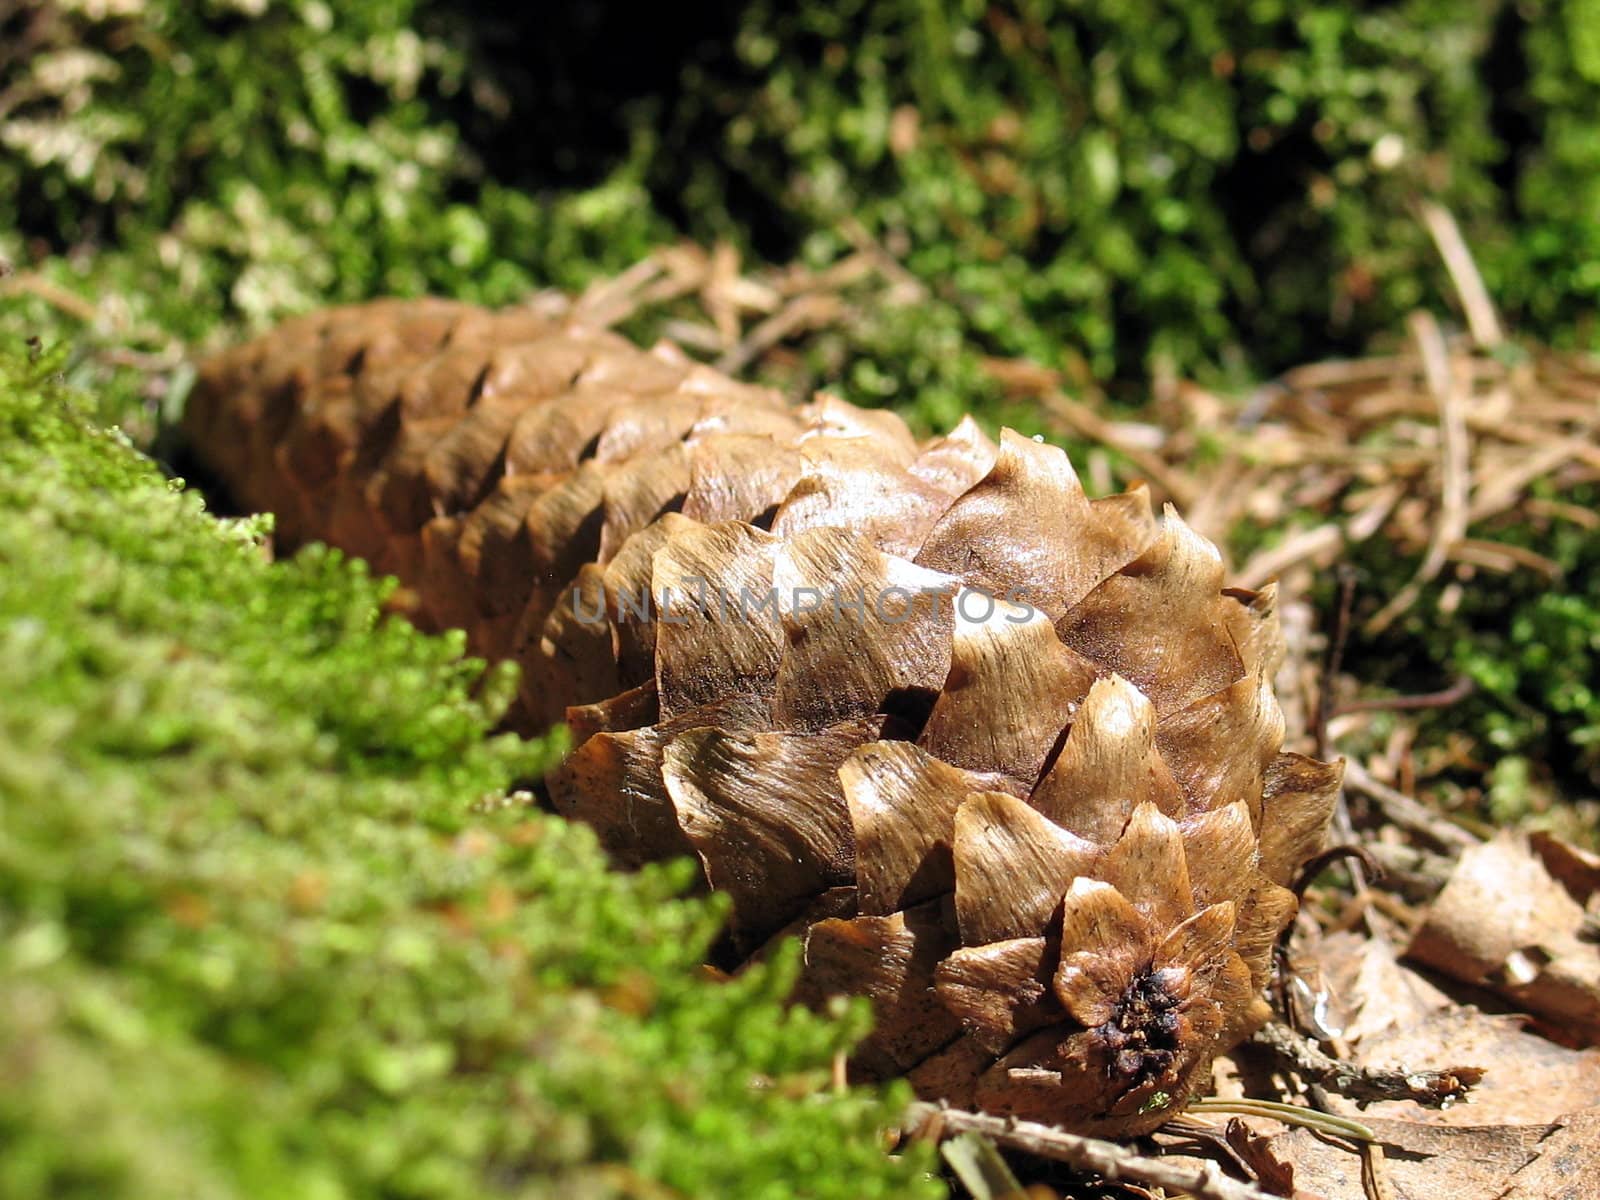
x=1568, y=1165
x=1576, y=869
x=1503, y=922
x=1371, y=990
x=1529, y=1080
x=1272, y=1173
x=1462, y=1163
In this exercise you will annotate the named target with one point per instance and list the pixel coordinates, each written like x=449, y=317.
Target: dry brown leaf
x=1568, y=1165
x=1370, y=991
x=1548, y=1161
x=1529, y=1079
x=1273, y=1173
x=1423, y=1161
x=1577, y=869
x=1505, y=923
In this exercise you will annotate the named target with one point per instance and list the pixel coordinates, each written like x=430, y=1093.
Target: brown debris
x=1503, y=922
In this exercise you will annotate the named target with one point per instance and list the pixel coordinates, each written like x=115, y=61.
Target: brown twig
x=606, y=302
x=1082, y=419
x=1504, y=557
x=1320, y=862
x=1405, y=811
x=53, y=294
x=1109, y=1160
x=1367, y=1084
x=1338, y=638
x=1456, y=692
x=1475, y=302
x=905, y=288
x=1410, y=872
x=1500, y=492
x=1455, y=468
x=809, y=310
x=1306, y=546
x=1375, y=1181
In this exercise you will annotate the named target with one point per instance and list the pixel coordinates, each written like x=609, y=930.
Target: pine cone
x=1007, y=758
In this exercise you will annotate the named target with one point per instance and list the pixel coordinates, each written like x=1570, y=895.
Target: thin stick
x=811, y=310
x=1455, y=480
x=1106, y=1159
x=1457, y=691
x=1500, y=493
x=1406, y=812
x=1363, y=1084
x=606, y=302
x=1474, y=297
x=1305, y=546
x=53, y=294
x=1085, y=421
x=1504, y=557
x=1333, y=660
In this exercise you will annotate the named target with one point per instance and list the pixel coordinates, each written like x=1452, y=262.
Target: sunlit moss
x=272, y=925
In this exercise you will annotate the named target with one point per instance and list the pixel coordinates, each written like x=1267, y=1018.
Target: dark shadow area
x=1263, y=193
x=1506, y=78
x=560, y=91
x=555, y=89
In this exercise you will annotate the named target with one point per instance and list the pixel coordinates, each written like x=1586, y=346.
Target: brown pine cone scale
x=1006, y=757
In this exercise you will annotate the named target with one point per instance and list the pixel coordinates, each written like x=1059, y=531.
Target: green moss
x=180, y=164
x=1531, y=647
x=271, y=925
x=1163, y=180
x=1224, y=190
x=1556, y=280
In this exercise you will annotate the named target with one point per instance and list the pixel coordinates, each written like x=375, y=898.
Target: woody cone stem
x=1007, y=758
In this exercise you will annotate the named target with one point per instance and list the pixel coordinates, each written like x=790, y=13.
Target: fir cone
x=1007, y=758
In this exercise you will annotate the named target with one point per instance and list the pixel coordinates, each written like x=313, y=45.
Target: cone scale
x=1006, y=758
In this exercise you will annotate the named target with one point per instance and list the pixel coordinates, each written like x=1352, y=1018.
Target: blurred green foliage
x=1531, y=649
x=1200, y=183
x=256, y=940
x=1555, y=284
x=1219, y=188
x=1111, y=188
x=188, y=166
x=262, y=156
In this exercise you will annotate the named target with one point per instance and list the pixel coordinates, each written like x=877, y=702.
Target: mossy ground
x=271, y=924
x=1527, y=741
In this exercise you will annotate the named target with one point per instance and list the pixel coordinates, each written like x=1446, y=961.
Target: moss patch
x=271, y=925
